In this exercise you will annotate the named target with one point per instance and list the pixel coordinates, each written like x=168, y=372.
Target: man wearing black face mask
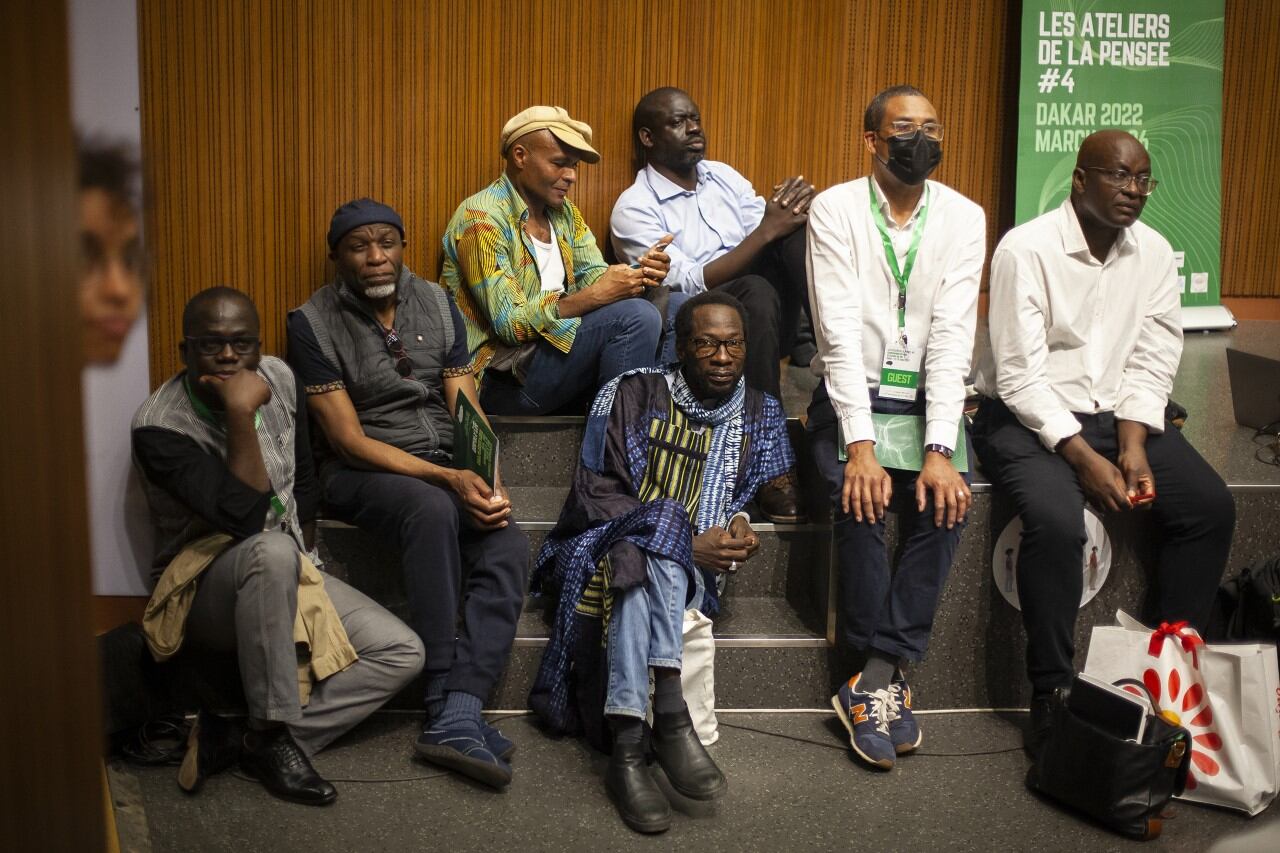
x=895, y=261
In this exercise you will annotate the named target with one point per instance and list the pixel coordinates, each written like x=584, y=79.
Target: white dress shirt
x=707, y=221
x=1070, y=333
x=855, y=301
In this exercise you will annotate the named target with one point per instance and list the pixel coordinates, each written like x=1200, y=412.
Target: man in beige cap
x=547, y=321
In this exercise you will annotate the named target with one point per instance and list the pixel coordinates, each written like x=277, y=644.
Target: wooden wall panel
x=259, y=118
x=1250, y=162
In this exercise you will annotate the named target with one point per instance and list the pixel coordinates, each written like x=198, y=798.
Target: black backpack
x=1247, y=607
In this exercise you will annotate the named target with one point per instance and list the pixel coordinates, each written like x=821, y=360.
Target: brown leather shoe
x=779, y=500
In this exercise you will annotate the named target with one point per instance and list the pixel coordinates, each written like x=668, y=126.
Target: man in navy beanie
x=382, y=356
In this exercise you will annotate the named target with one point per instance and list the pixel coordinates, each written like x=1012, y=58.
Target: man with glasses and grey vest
x=382, y=356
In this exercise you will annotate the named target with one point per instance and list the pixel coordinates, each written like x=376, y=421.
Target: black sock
x=668, y=696
x=877, y=672
x=626, y=730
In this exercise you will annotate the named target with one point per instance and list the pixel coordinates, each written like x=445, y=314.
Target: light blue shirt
x=707, y=221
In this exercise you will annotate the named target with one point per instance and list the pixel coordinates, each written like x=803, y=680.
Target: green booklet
x=474, y=444
x=900, y=443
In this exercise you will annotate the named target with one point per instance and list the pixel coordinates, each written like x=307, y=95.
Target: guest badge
x=900, y=372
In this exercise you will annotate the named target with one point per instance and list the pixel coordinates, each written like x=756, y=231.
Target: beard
x=380, y=291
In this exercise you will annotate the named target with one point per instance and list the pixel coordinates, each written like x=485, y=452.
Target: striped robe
x=634, y=489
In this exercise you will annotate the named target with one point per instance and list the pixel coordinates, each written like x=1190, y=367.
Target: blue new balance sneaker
x=866, y=716
x=904, y=731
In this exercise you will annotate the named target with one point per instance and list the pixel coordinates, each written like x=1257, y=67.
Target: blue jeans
x=646, y=628
x=611, y=340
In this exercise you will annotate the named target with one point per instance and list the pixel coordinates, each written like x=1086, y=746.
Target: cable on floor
x=977, y=753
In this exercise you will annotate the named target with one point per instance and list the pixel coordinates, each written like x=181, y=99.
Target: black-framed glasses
x=707, y=347
x=906, y=128
x=404, y=366
x=1268, y=439
x=1121, y=178
x=214, y=344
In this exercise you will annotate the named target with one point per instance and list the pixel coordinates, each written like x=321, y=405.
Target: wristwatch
x=939, y=448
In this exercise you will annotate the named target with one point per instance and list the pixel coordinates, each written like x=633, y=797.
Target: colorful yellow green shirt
x=492, y=271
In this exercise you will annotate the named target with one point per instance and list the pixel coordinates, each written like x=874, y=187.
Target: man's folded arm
x=201, y=481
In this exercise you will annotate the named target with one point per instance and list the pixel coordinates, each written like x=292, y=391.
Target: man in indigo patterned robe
x=669, y=458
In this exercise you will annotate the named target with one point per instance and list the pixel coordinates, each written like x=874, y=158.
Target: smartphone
x=658, y=248
x=1112, y=709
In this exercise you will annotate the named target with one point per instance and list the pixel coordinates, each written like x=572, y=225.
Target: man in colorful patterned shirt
x=547, y=321
x=669, y=458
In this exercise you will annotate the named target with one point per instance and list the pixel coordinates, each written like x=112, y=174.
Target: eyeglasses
x=706, y=347
x=214, y=344
x=403, y=365
x=906, y=129
x=1268, y=439
x=1120, y=179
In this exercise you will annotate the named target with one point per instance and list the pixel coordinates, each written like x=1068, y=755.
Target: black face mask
x=912, y=159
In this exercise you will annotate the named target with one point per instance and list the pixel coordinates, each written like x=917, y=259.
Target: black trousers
x=889, y=611
x=426, y=524
x=773, y=290
x=1194, y=510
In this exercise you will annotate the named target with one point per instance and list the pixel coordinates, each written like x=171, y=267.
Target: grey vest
x=406, y=412
x=170, y=408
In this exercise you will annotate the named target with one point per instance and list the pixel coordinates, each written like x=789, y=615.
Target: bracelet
x=939, y=448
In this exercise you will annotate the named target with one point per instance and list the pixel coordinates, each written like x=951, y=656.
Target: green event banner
x=1153, y=68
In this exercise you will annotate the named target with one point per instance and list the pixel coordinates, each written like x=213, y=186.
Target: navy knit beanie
x=362, y=211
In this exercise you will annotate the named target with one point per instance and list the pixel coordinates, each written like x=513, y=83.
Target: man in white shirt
x=895, y=263
x=727, y=238
x=1086, y=335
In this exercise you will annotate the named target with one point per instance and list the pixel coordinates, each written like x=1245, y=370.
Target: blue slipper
x=462, y=749
x=498, y=743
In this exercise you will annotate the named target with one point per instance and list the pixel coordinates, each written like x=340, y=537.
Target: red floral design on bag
x=1188, y=708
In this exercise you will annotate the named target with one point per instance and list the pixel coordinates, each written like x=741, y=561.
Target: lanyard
x=206, y=414
x=899, y=276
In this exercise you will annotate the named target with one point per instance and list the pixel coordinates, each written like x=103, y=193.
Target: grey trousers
x=245, y=603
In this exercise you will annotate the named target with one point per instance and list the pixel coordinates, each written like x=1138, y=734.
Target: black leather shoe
x=1036, y=734
x=213, y=745
x=275, y=759
x=779, y=500
x=641, y=803
x=684, y=759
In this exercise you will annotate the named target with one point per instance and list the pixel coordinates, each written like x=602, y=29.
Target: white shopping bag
x=697, y=676
x=1226, y=695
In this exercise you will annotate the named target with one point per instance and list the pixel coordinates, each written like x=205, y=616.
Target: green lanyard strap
x=900, y=276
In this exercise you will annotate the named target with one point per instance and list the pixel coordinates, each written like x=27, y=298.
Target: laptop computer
x=1255, y=388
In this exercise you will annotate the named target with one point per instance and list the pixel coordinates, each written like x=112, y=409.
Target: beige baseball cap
x=575, y=134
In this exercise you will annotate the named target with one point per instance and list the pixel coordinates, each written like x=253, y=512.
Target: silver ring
x=733, y=565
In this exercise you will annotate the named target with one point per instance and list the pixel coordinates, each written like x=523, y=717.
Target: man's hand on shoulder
x=486, y=509
x=788, y=207
x=243, y=392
